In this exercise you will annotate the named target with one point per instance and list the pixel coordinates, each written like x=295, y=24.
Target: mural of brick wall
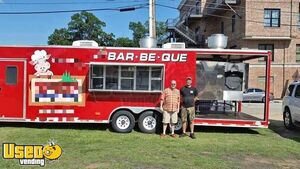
x=54, y=91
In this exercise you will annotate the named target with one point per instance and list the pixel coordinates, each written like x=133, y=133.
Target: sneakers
x=174, y=135
x=163, y=135
x=183, y=135
x=192, y=135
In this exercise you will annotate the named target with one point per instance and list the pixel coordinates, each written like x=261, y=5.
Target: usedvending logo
x=31, y=154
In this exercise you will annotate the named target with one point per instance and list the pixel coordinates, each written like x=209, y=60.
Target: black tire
x=123, y=121
x=263, y=99
x=150, y=122
x=287, y=120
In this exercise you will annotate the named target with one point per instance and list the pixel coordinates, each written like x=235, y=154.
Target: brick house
x=265, y=24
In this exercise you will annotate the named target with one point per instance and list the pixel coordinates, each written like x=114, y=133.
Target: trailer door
x=12, y=96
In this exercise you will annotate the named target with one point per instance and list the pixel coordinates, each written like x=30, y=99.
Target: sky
x=35, y=29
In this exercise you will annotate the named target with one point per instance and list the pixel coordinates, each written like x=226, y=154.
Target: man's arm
x=196, y=92
x=178, y=102
x=196, y=97
x=162, y=98
x=181, y=96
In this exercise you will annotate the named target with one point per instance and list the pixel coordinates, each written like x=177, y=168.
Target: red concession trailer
x=121, y=86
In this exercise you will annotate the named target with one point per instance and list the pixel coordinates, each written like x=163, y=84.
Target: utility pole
x=152, y=20
x=150, y=41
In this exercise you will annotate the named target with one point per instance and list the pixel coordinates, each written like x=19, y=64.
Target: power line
x=121, y=9
x=69, y=3
x=257, y=9
x=244, y=11
x=282, y=13
x=220, y=16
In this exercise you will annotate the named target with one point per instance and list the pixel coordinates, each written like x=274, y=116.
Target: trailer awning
x=226, y=58
x=229, y=55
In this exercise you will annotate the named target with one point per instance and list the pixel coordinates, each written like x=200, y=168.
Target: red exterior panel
x=50, y=99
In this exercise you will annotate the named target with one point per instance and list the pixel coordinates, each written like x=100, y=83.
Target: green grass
x=213, y=148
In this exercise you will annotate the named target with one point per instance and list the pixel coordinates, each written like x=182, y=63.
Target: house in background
x=265, y=24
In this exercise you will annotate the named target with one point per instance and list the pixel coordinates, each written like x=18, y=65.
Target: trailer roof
x=136, y=48
x=203, y=54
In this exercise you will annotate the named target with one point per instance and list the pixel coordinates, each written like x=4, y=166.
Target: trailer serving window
x=126, y=78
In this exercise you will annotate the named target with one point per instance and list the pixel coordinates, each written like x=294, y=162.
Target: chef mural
x=40, y=61
x=55, y=89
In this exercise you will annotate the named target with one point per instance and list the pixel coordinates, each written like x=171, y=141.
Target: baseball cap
x=189, y=78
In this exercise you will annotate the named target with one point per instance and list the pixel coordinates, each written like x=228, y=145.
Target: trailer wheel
x=287, y=119
x=123, y=121
x=149, y=122
x=178, y=125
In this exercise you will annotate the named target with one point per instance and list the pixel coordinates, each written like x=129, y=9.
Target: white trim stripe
x=230, y=125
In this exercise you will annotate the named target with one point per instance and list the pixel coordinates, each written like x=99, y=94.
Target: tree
x=124, y=42
x=60, y=37
x=83, y=26
x=140, y=30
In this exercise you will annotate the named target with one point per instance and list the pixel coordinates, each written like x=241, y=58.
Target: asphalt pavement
x=257, y=109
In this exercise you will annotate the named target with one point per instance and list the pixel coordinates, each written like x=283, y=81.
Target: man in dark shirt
x=188, y=94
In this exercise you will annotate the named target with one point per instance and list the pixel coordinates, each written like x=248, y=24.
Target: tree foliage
x=83, y=26
x=60, y=37
x=123, y=42
x=86, y=26
x=140, y=30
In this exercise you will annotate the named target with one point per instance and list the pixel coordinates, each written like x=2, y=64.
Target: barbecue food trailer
x=122, y=86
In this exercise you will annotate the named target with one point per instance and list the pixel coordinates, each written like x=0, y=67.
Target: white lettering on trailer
x=111, y=56
x=152, y=57
x=129, y=56
x=120, y=56
x=148, y=57
x=166, y=57
x=183, y=57
x=143, y=57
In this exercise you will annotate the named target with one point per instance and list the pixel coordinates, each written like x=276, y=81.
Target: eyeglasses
x=173, y=84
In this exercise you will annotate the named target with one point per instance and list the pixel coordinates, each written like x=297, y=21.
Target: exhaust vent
x=148, y=42
x=217, y=41
x=85, y=43
x=179, y=45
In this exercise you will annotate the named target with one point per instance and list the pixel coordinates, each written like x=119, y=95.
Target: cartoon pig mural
x=41, y=65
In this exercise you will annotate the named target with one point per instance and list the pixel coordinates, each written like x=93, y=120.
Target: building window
x=262, y=79
x=112, y=77
x=97, y=77
x=11, y=75
x=197, y=7
x=299, y=17
x=261, y=82
x=298, y=53
x=222, y=27
x=233, y=23
x=126, y=78
x=142, y=78
x=272, y=17
x=266, y=47
x=156, y=78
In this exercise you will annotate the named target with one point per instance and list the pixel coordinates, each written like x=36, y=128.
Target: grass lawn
x=90, y=146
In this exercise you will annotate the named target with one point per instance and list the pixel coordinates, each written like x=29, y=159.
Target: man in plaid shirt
x=169, y=105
